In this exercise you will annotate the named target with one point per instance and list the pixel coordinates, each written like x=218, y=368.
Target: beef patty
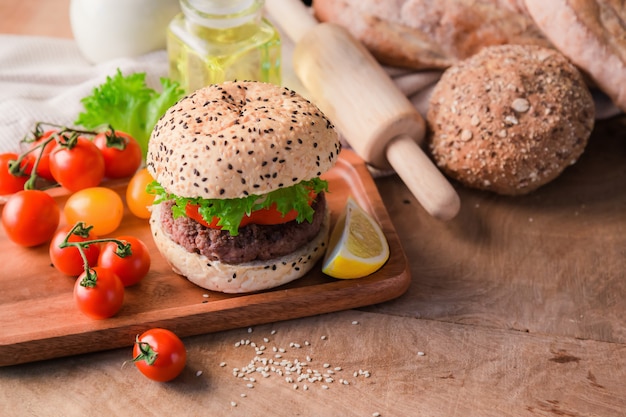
x=254, y=241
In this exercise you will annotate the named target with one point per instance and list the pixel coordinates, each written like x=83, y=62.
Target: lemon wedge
x=357, y=246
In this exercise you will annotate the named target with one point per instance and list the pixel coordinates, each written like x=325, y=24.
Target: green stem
x=146, y=353
x=81, y=229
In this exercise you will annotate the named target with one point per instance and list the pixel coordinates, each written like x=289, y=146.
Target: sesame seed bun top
x=234, y=139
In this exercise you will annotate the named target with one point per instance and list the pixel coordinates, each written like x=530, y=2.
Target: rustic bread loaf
x=591, y=34
x=509, y=119
x=428, y=34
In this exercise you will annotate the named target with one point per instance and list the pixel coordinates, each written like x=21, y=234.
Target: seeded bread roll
x=240, y=138
x=509, y=119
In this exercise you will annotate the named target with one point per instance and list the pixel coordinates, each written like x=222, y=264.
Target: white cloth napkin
x=44, y=79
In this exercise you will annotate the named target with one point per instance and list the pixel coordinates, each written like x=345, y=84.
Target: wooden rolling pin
x=356, y=94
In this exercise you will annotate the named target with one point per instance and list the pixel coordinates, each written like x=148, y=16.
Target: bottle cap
x=220, y=14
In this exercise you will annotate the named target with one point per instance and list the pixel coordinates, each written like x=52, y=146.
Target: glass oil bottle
x=213, y=41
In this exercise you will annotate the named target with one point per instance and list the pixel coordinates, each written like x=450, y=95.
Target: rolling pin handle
x=423, y=178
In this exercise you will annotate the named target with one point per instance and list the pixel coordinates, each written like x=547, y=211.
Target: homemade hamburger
x=240, y=206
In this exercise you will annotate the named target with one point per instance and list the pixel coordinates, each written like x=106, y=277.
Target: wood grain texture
x=551, y=262
x=465, y=371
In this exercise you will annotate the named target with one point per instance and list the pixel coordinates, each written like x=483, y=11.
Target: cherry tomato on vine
x=30, y=217
x=79, y=166
x=43, y=153
x=68, y=260
x=99, y=207
x=159, y=354
x=131, y=268
x=10, y=183
x=100, y=298
x=137, y=198
x=121, y=152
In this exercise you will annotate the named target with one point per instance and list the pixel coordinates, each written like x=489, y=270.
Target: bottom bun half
x=239, y=278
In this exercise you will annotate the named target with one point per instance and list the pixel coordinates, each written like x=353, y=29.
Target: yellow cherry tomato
x=99, y=207
x=137, y=199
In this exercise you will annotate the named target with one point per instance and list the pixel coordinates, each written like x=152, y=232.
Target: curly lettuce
x=126, y=103
x=230, y=211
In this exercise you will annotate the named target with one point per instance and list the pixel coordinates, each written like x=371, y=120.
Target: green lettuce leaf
x=128, y=104
x=230, y=211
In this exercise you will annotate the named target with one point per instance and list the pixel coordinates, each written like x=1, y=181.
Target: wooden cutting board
x=38, y=318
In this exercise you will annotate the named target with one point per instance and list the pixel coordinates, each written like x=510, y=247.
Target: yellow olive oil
x=211, y=48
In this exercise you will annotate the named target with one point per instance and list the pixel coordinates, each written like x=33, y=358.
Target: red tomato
x=10, y=183
x=131, y=268
x=30, y=217
x=78, y=167
x=43, y=153
x=191, y=210
x=99, y=299
x=266, y=216
x=271, y=216
x=68, y=259
x=159, y=354
x=121, y=152
x=137, y=198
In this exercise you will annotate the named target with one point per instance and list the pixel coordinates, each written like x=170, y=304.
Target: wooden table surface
x=516, y=308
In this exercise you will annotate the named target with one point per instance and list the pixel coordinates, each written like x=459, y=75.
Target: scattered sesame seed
x=324, y=386
x=250, y=385
x=206, y=295
x=249, y=329
x=198, y=373
x=243, y=395
x=222, y=364
x=233, y=404
x=273, y=332
x=377, y=414
x=420, y=353
x=355, y=322
x=323, y=337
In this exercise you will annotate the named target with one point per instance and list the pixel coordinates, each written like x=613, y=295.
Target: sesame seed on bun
x=234, y=139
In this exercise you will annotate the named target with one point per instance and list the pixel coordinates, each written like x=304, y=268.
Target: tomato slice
x=266, y=216
x=191, y=210
x=271, y=216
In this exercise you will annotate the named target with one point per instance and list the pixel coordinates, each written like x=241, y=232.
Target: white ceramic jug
x=107, y=29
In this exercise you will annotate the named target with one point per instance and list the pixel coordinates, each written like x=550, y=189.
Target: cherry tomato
x=121, y=152
x=137, y=198
x=10, y=183
x=159, y=354
x=78, y=167
x=43, y=153
x=132, y=268
x=30, y=217
x=100, y=299
x=68, y=259
x=99, y=207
